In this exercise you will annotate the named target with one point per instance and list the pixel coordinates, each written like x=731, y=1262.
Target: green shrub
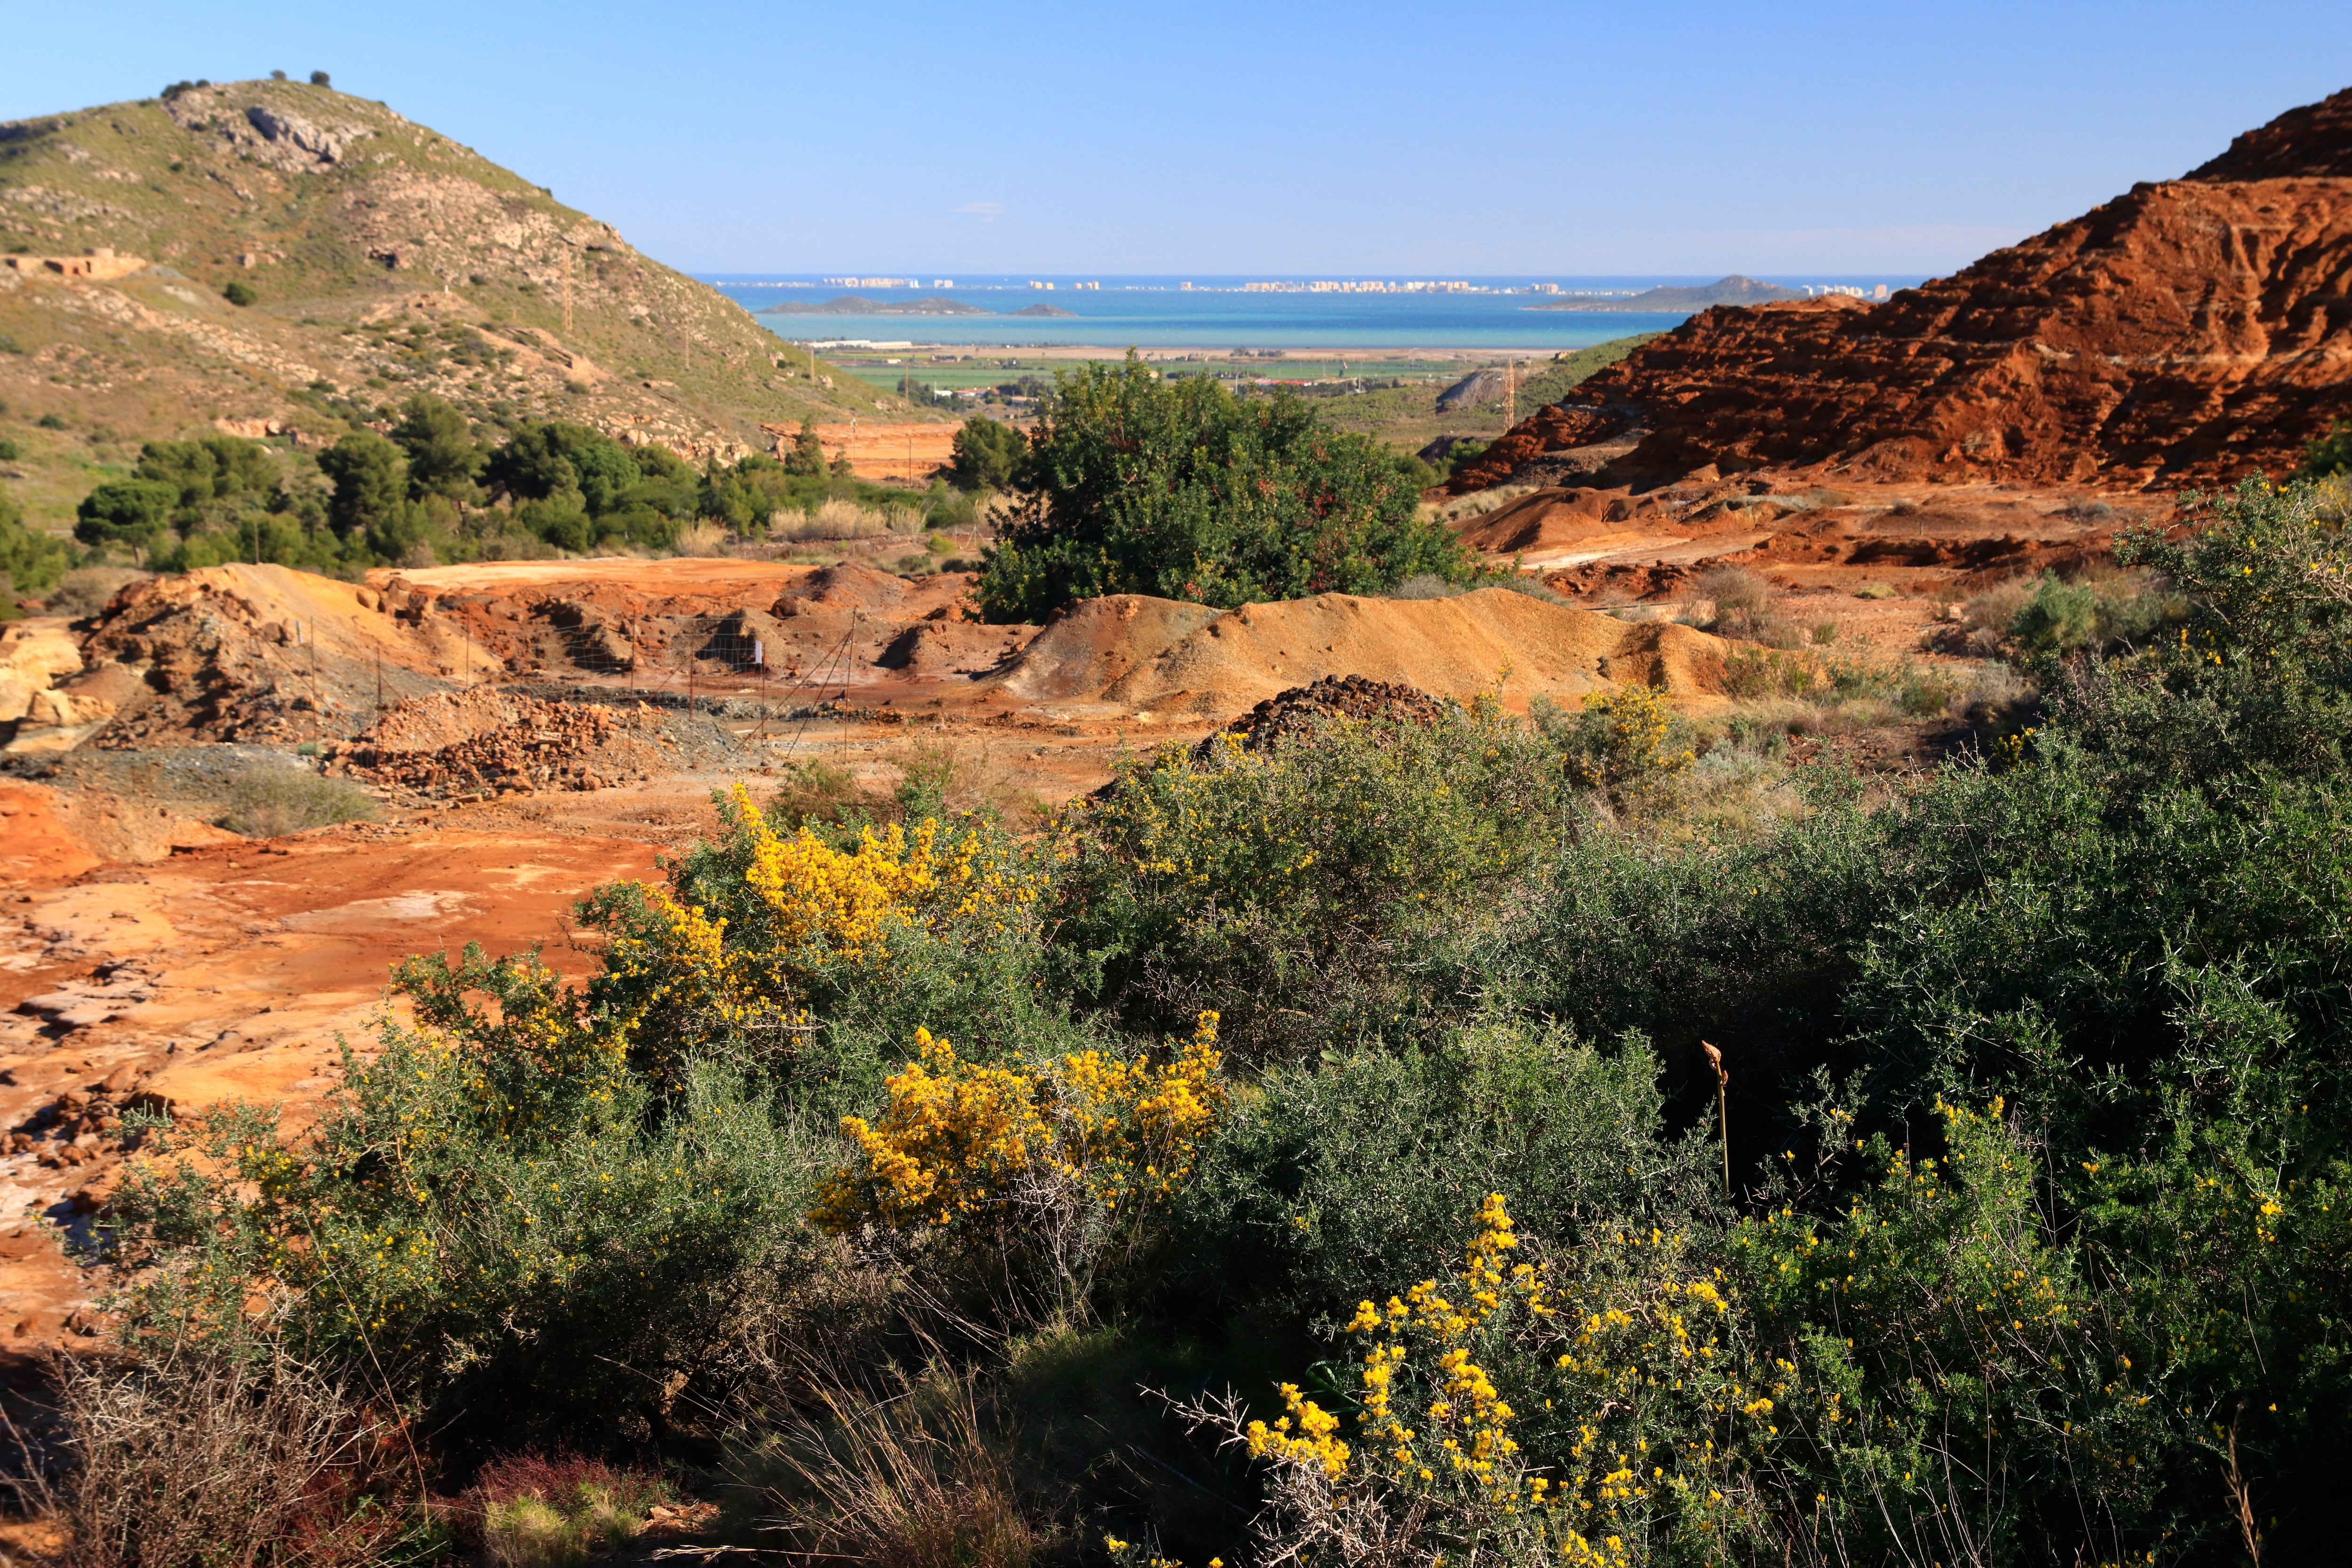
x=988, y=453
x=269, y=803
x=1297, y=885
x=567, y=1237
x=1363, y=1172
x=2327, y=455
x=32, y=562
x=238, y=292
x=1177, y=488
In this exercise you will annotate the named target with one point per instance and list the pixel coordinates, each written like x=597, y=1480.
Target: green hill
x=382, y=258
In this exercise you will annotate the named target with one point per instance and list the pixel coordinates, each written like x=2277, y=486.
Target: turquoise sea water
x=1155, y=313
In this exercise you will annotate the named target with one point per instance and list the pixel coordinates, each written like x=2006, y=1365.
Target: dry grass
x=193, y=1460
x=1745, y=605
x=703, y=539
x=836, y=518
x=530, y=1511
x=1477, y=504
x=903, y=1479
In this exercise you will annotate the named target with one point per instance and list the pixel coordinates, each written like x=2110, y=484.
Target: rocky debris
x=1303, y=712
x=80, y=1124
x=834, y=708
x=488, y=739
x=2187, y=331
x=1479, y=387
x=258, y=654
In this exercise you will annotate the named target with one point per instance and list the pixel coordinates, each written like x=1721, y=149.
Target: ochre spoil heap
x=2189, y=331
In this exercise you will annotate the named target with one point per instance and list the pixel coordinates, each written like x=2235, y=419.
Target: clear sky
x=1271, y=138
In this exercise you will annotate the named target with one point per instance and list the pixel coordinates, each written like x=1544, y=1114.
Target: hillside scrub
x=1352, y=1094
x=438, y=487
x=32, y=563
x=1133, y=484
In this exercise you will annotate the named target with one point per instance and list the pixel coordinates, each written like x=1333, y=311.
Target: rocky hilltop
x=2187, y=331
x=379, y=257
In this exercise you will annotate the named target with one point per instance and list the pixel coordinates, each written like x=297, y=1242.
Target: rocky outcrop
x=2188, y=331
x=293, y=131
x=1478, y=386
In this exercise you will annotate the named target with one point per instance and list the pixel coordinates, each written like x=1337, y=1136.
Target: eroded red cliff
x=2187, y=331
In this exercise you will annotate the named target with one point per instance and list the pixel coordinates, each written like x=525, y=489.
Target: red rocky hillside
x=2191, y=331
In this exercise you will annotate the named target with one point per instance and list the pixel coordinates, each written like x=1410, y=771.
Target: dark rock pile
x=533, y=745
x=1303, y=710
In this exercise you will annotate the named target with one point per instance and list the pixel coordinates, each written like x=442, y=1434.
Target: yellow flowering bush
x=1630, y=743
x=1587, y=1419
x=961, y=1139
x=760, y=928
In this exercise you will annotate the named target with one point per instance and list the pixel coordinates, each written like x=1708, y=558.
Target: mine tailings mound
x=257, y=653
x=1148, y=654
x=2188, y=331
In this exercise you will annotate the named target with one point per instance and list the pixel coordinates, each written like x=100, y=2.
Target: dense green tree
x=987, y=454
x=442, y=457
x=370, y=479
x=209, y=468
x=547, y=458
x=1136, y=485
x=807, y=455
x=238, y=292
x=134, y=513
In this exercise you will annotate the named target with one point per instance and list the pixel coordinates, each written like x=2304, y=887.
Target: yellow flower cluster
x=958, y=1138
x=1468, y=1429
x=1315, y=1442
x=1436, y=1438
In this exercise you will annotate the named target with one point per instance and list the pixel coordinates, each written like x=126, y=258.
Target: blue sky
x=1271, y=139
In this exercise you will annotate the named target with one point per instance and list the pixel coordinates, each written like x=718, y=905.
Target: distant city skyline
x=1278, y=142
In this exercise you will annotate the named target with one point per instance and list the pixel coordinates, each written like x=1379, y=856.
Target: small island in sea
x=1042, y=310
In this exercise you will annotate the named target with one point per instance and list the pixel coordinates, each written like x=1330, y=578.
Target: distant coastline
x=858, y=305
x=1735, y=290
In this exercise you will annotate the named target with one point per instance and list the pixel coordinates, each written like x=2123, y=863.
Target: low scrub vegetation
x=1319, y=1153
x=439, y=488
x=266, y=802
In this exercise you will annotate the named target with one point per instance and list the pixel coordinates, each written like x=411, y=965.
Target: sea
x=1220, y=313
